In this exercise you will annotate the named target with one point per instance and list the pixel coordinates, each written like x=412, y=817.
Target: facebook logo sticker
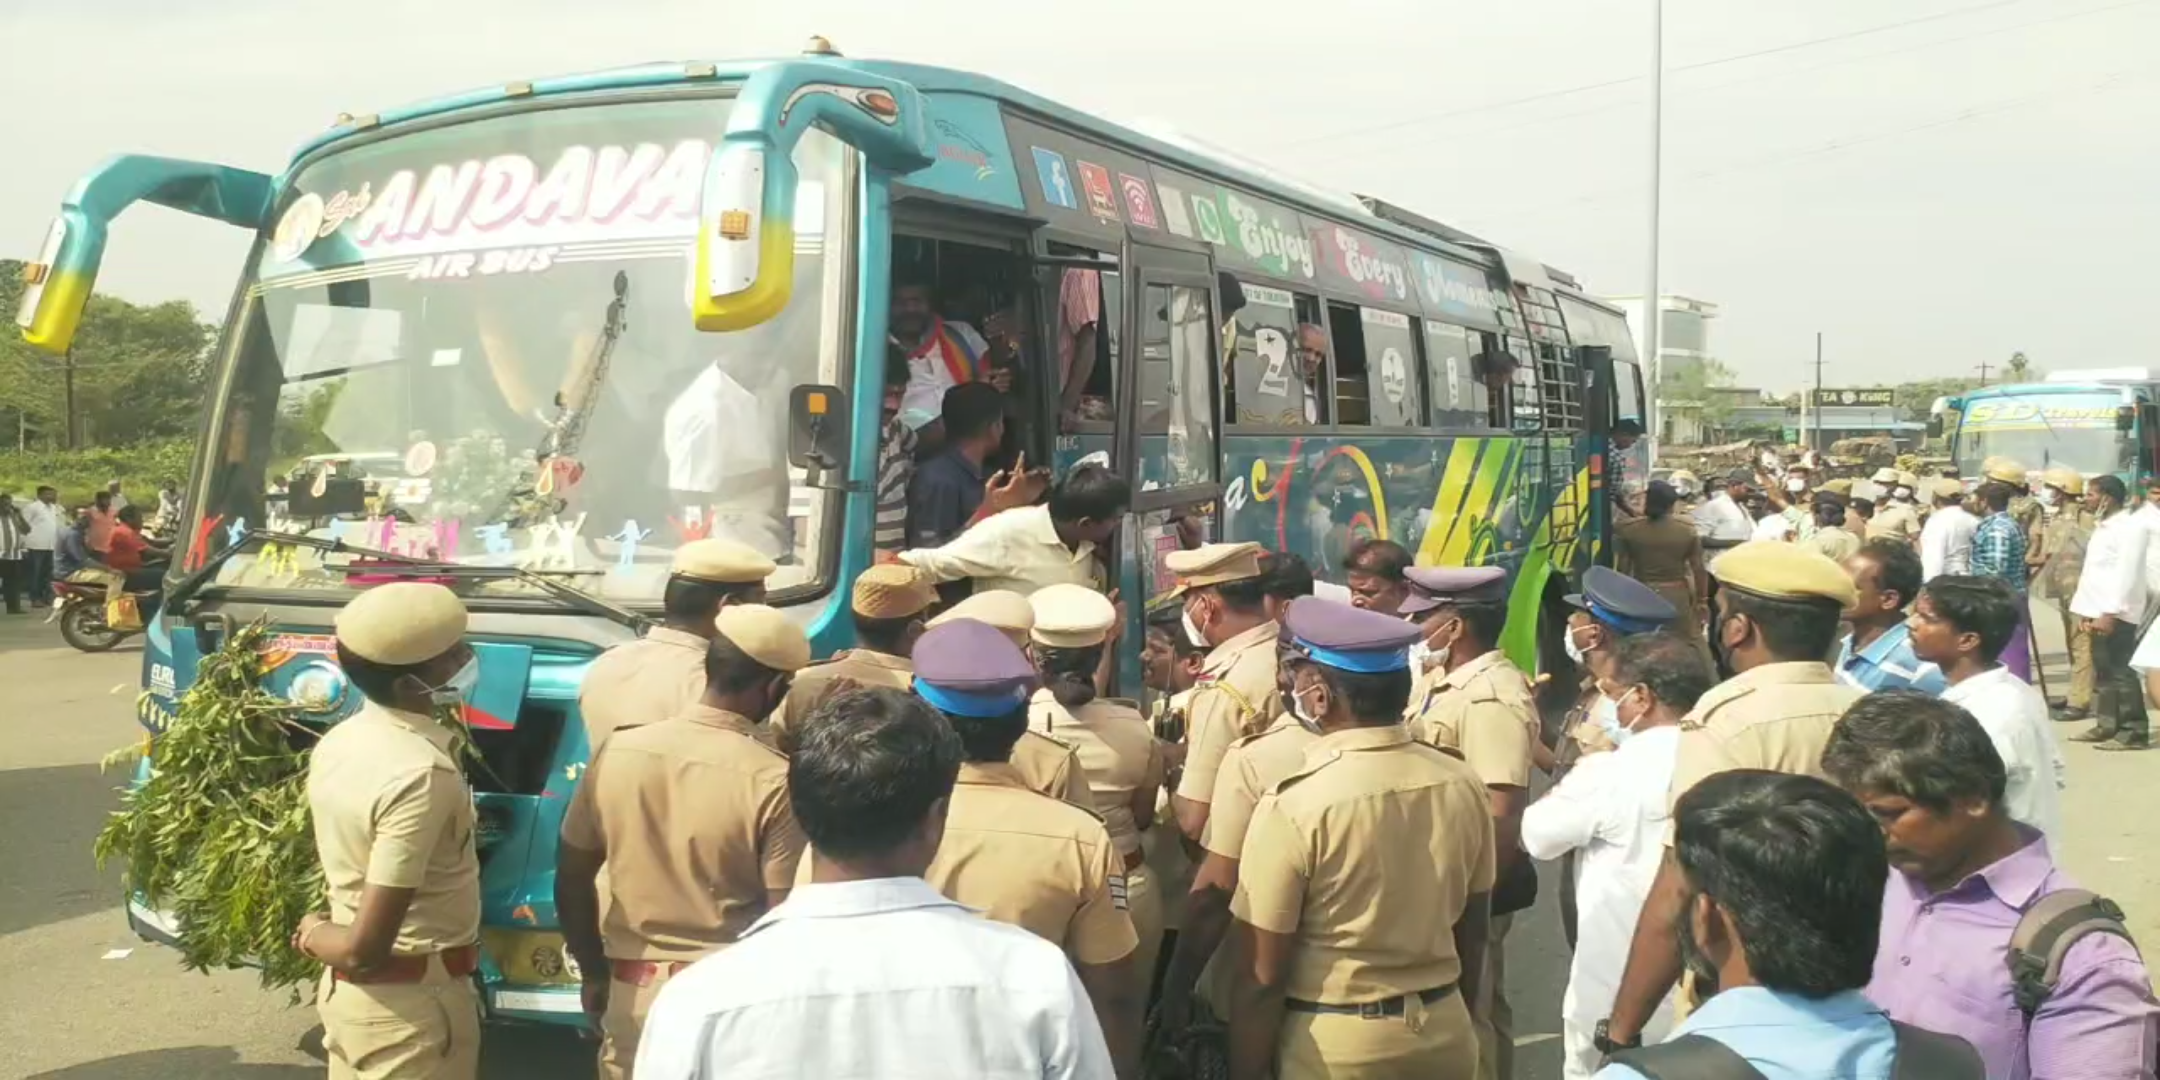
x=1057, y=187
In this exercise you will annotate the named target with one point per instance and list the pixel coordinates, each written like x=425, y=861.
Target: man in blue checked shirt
x=1878, y=654
x=1998, y=551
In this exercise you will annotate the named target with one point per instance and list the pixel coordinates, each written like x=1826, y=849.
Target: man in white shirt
x=867, y=970
x=1612, y=808
x=1025, y=549
x=1722, y=521
x=2110, y=599
x=1961, y=623
x=43, y=514
x=941, y=354
x=1946, y=539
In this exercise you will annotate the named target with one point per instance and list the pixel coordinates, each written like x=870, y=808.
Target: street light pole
x=1653, y=305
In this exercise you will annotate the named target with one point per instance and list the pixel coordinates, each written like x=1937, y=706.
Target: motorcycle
x=79, y=608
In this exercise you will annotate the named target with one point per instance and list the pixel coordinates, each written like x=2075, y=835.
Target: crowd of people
x=42, y=542
x=1803, y=810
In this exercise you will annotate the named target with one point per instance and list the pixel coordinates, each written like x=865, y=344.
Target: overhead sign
x=1879, y=397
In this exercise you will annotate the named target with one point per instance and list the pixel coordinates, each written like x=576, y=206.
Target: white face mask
x=1303, y=715
x=459, y=687
x=1903, y=494
x=2048, y=497
x=1420, y=656
x=1574, y=648
x=1607, y=715
x=1192, y=629
x=1795, y=485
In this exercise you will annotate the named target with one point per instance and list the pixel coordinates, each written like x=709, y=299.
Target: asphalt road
x=85, y=1000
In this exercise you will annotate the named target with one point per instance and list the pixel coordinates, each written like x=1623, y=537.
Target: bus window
x=1177, y=383
x=1273, y=378
x=1085, y=342
x=1391, y=366
x=1459, y=397
x=1627, y=392
x=1353, y=390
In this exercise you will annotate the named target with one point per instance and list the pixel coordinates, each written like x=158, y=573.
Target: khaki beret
x=1783, y=571
x=402, y=623
x=1906, y=479
x=1071, y=616
x=1002, y=608
x=2004, y=470
x=2071, y=481
x=722, y=561
x=1948, y=488
x=1885, y=475
x=1214, y=564
x=764, y=635
x=1839, y=486
x=892, y=591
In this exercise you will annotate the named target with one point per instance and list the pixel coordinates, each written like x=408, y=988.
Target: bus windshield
x=2038, y=430
x=472, y=343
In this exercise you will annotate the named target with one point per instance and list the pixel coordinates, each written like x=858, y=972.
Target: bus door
x=1167, y=441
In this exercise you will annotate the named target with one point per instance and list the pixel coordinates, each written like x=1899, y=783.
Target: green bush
x=79, y=473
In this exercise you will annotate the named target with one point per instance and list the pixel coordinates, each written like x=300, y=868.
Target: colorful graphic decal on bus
x=973, y=159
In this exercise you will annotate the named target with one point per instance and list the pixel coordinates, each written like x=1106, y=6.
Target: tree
x=2018, y=369
x=139, y=373
x=1915, y=398
x=1701, y=384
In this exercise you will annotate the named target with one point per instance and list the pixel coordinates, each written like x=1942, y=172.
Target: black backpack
x=1921, y=1055
x=2044, y=935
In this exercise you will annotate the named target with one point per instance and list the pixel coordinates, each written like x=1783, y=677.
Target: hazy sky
x=1982, y=180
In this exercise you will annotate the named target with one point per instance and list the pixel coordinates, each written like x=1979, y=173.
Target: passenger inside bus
x=1496, y=369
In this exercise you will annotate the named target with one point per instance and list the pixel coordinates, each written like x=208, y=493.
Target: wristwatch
x=1601, y=1038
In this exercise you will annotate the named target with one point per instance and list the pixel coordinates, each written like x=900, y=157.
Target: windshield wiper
x=392, y=564
x=404, y=566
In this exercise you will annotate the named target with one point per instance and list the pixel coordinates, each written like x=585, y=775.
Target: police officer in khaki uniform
x=1018, y=855
x=1045, y=763
x=2058, y=562
x=663, y=673
x=1224, y=590
x=1480, y=705
x=690, y=816
x=394, y=827
x=1364, y=879
x=1118, y=752
x=1777, y=618
x=888, y=603
x=1897, y=517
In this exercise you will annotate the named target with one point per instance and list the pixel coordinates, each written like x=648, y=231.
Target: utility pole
x=74, y=435
x=1818, y=392
x=1983, y=372
x=1653, y=304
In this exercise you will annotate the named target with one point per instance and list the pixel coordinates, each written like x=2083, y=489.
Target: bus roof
x=1363, y=211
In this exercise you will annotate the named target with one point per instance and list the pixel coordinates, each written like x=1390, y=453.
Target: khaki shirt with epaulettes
x=1485, y=711
x=1253, y=765
x=642, y=682
x=1036, y=862
x=1048, y=764
x=2061, y=554
x=862, y=667
x=1773, y=716
x=691, y=816
x=1368, y=855
x=1235, y=697
x=1118, y=757
x=391, y=808
x=1895, y=521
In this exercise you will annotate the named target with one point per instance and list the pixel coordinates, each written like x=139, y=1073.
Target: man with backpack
x=1983, y=937
x=1783, y=880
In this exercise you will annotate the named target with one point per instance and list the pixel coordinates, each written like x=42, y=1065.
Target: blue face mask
x=1607, y=714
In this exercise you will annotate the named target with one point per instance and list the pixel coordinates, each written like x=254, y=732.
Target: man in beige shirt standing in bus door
x=690, y=816
x=394, y=828
x=657, y=676
x=1224, y=591
x=888, y=603
x=1480, y=705
x=1776, y=619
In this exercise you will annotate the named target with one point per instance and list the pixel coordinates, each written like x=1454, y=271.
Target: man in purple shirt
x=1965, y=873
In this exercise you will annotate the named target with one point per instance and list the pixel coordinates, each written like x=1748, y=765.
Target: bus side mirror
x=56, y=287
x=819, y=432
x=1935, y=426
x=2125, y=417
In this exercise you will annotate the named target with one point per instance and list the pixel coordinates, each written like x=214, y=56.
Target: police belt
x=458, y=963
x=1372, y=1010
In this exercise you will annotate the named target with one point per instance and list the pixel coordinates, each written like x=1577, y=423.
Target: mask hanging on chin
x=1302, y=714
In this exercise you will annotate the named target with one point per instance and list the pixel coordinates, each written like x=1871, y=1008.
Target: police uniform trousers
x=1495, y=1018
x=425, y=1030
x=1144, y=903
x=2080, y=642
x=1429, y=1041
x=627, y=1006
